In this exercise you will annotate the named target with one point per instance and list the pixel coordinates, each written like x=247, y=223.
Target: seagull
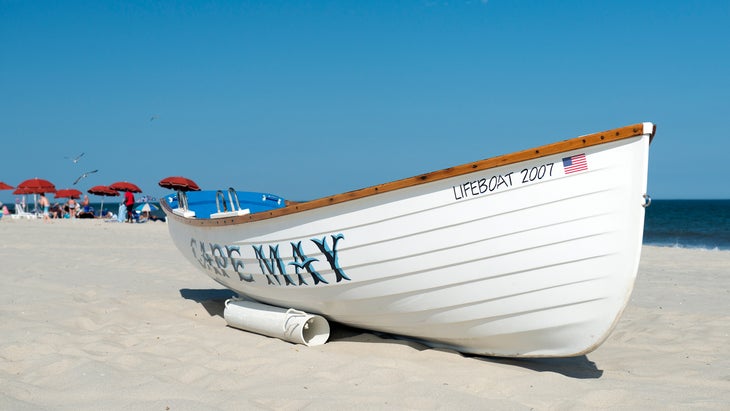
x=76, y=159
x=86, y=174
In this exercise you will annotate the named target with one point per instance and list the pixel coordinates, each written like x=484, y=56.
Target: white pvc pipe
x=286, y=324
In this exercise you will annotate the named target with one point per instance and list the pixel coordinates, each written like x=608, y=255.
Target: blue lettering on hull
x=228, y=261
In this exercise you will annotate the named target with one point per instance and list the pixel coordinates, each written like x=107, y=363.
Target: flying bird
x=86, y=174
x=76, y=159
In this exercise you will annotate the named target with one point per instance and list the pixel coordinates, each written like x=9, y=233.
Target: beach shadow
x=342, y=332
x=213, y=300
x=574, y=367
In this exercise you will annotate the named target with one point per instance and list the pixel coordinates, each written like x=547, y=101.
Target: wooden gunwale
x=587, y=140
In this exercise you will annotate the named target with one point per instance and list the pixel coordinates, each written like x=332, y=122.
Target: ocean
x=688, y=224
x=669, y=223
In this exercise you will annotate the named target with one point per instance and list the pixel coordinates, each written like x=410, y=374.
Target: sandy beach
x=100, y=315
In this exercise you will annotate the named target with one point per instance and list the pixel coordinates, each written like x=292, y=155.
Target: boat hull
x=536, y=258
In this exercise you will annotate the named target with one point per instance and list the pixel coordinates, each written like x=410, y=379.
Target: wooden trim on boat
x=516, y=157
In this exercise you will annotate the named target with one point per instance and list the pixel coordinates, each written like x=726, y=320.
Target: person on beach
x=45, y=205
x=129, y=202
x=71, y=208
x=56, y=211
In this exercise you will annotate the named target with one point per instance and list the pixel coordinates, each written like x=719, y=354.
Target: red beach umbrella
x=178, y=183
x=68, y=193
x=4, y=186
x=181, y=185
x=35, y=186
x=22, y=191
x=125, y=186
x=103, y=191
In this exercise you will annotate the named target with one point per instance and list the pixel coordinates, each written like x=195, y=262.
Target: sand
x=100, y=315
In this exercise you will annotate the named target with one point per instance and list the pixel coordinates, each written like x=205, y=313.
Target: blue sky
x=310, y=98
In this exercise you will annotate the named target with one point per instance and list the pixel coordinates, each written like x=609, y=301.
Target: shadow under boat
x=213, y=300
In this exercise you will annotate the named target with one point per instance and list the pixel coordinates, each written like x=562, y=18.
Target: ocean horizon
x=702, y=224
x=697, y=224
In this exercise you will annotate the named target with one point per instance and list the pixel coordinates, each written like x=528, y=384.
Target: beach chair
x=21, y=213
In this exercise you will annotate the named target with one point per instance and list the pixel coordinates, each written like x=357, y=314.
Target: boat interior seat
x=203, y=204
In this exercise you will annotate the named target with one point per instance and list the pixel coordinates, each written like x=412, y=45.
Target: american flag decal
x=575, y=163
